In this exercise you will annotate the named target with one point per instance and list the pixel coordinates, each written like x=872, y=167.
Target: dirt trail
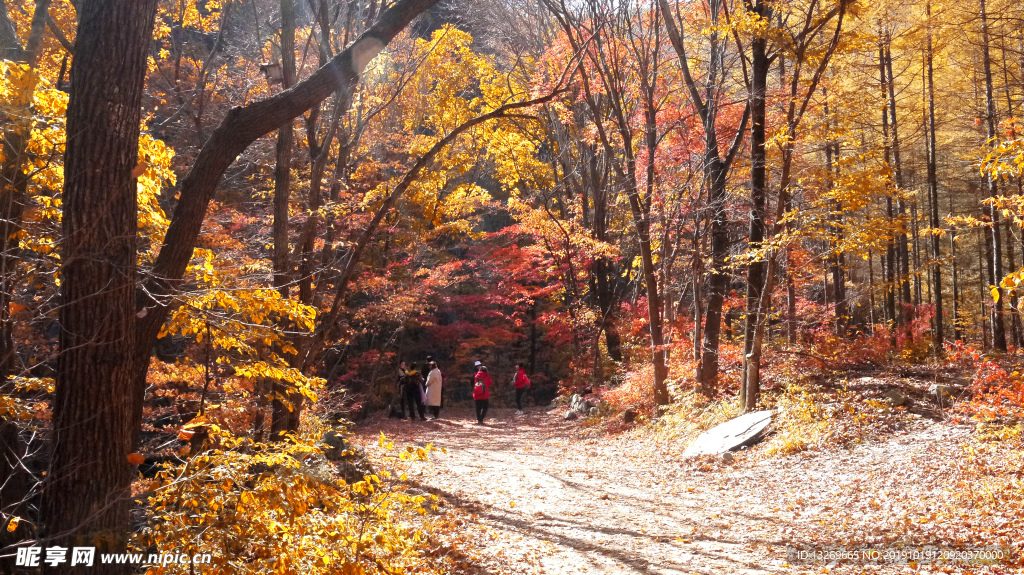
x=554, y=501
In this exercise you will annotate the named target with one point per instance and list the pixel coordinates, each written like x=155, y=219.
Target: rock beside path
x=350, y=459
x=579, y=407
x=944, y=395
x=895, y=398
x=629, y=415
x=741, y=431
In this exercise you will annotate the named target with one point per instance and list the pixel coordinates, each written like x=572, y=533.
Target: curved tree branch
x=242, y=127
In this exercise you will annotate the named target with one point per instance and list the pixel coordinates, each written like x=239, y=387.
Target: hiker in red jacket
x=481, y=392
x=521, y=383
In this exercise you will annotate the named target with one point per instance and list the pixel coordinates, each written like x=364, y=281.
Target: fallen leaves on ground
x=626, y=503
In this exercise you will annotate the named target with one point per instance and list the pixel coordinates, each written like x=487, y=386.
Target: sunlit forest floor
x=535, y=493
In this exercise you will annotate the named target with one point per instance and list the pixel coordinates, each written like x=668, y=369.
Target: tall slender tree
x=716, y=169
x=760, y=65
x=933, y=190
x=805, y=37
x=285, y=404
x=995, y=262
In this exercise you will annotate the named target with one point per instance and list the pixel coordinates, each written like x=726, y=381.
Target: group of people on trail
x=418, y=389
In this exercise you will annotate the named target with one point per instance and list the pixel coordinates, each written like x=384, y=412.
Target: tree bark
x=835, y=257
x=285, y=141
x=751, y=382
x=758, y=158
x=957, y=332
x=871, y=290
x=641, y=209
x=890, y=261
x=87, y=494
x=982, y=292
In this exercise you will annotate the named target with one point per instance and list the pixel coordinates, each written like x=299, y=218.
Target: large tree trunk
x=889, y=262
x=607, y=304
x=642, y=222
x=654, y=311
x=799, y=99
x=715, y=171
x=707, y=368
x=87, y=494
x=604, y=271
x=285, y=140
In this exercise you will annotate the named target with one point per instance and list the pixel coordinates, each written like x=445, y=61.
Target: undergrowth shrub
x=691, y=414
x=995, y=392
x=873, y=348
x=809, y=419
x=634, y=391
x=281, y=508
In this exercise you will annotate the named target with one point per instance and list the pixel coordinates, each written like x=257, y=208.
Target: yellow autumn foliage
x=261, y=508
x=31, y=107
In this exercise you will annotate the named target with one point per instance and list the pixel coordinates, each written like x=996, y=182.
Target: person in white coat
x=434, y=381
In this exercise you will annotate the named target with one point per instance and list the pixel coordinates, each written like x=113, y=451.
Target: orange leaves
x=136, y=458
x=995, y=392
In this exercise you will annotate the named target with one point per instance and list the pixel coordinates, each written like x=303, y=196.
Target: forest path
x=554, y=500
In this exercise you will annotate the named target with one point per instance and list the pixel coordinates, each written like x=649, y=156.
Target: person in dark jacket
x=400, y=388
x=426, y=367
x=481, y=393
x=412, y=390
